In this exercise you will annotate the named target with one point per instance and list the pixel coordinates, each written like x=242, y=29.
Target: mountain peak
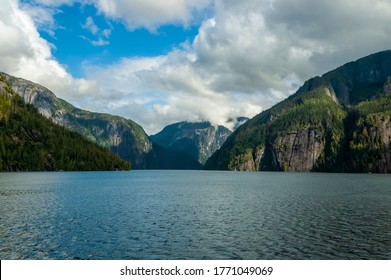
x=312, y=131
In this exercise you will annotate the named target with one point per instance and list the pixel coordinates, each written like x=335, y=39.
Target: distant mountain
x=120, y=135
x=340, y=122
x=31, y=142
x=198, y=139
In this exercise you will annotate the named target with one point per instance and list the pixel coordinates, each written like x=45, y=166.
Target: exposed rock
x=339, y=122
x=198, y=139
x=381, y=131
x=122, y=136
x=299, y=150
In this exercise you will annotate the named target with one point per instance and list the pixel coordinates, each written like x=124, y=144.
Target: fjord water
x=194, y=215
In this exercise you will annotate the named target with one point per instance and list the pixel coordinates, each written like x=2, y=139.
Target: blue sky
x=160, y=62
x=73, y=39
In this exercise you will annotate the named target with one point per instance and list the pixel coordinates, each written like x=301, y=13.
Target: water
x=194, y=215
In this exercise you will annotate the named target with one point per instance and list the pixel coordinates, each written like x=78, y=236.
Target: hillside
x=339, y=122
x=120, y=135
x=31, y=142
x=198, y=139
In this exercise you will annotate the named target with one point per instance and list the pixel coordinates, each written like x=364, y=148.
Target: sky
x=160, y=62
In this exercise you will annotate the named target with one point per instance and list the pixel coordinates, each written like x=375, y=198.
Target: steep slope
x=199, y=140
x=121, y=136
x=337, y=122
x=31, y=142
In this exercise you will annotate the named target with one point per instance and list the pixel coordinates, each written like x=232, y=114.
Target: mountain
x=120, y=135
x=198, y=139
x=339, y=122
x=31, y=142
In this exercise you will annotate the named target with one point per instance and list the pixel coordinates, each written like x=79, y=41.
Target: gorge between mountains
x=339, y=122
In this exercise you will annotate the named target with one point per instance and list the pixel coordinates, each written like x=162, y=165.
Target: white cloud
x=150, y=13
x=42, y=17
x=101, y=36
x=91, y=26
x=55, y=3
x=26, y=54
x=246, y=57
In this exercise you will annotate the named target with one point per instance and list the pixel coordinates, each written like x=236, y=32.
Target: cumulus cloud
x=252, y=54
x=150, y=13
x=55, y=3
x=42, y=17
x=24, y=53
x=247, y=55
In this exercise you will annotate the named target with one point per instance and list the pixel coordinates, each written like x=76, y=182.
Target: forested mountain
x=120, y=135
x=198, y=139
x=340, y=122
x=31, y=142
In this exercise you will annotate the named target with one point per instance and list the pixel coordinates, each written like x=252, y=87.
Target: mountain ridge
x=120, y=135
x=198, y=139
x=31, y=142
x=339, y=122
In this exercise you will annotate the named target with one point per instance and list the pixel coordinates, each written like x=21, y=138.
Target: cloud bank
x=247, y=55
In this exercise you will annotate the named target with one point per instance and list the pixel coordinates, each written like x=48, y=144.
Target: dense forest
x=31, y=142
x=121, y=136
x=340, y=122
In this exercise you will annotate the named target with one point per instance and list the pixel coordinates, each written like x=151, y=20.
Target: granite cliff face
x=339, y=122
x=298, y=150
x=31, y=142
x=198, y=139
x=122, y=136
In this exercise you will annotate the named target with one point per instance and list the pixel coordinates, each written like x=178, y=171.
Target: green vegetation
x=30, y=142
x=314, y=110
x=131, y=142
x=347, y=110
x=365, y=147
x=196, y=139
x=119, y=135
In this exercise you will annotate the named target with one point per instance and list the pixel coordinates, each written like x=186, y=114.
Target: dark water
x=194, y=215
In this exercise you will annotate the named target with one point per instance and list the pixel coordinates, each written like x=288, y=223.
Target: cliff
x=199, y=140
x=31, y=142
x=339, y=122
x=122, y=136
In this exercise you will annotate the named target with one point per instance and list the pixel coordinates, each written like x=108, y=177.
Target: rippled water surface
x=194, y=215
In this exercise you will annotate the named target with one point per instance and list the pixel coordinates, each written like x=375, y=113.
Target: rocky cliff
x=31, y=142
x=120, y=135
x=339, y=122
x=198, y=139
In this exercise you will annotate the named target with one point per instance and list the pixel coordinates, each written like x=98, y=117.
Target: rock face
x=122, y=136
x=298, y=151
x=31, y=142
x=339, y=122
x=371, y=142
x=382, y=132
x=199, y=140
x=384, y=164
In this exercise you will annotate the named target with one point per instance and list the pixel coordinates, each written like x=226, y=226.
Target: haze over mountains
x=337, y=122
